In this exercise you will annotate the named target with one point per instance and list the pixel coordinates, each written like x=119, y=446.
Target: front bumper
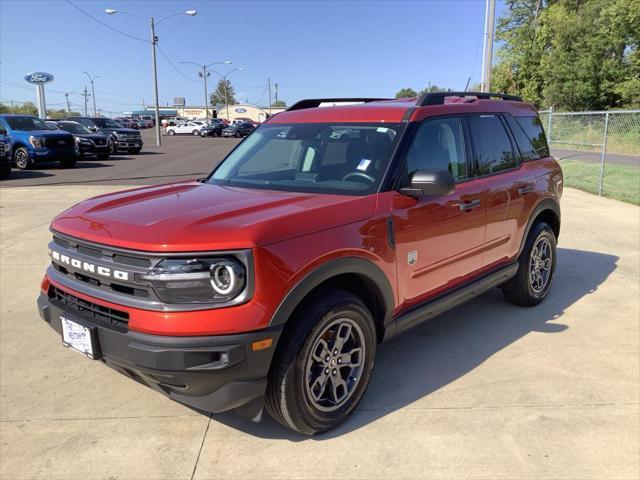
x=86, y=149
x=213, y=373
x=43, y=154
x=128, y=143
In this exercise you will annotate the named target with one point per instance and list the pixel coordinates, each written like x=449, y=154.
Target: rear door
x=438, y=238
x=498, y=166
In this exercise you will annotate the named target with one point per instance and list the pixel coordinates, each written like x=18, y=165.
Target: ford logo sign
x=38, y=78
x=241, y=110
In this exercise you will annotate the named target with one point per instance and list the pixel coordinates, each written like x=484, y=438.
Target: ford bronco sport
x=327, y=231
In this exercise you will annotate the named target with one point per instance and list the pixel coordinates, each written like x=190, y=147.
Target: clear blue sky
x=310, y=48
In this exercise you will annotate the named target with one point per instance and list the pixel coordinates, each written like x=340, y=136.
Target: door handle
x=468, y=205
x=524, y=189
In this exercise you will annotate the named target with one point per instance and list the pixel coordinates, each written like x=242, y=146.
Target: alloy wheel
x=540, y=265
x=333, y=369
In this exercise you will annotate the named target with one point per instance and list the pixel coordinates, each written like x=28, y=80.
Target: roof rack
x=315, y=102
x=437, y=98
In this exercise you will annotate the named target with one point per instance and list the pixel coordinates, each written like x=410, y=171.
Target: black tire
x=102, y=156
x=67, y=163
x=5, y=170
x=528, y=288
x=171, y=132
x=21, y=159
x=289, y=398
x=134, y=151
x=195, y=133
x=238, y=135
x=113, y=149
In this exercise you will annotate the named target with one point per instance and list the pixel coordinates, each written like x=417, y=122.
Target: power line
x=174, y=67
x=106, y=24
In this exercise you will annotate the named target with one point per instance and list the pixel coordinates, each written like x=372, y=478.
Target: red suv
x=324, y=233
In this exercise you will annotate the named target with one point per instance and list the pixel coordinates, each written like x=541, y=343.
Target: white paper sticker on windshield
x=364, y=164
x=382, y=129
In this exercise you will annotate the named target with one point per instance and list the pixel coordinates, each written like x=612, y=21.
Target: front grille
x=109, y=317
x=1, y=148
x=101, y=141
x=59, y=142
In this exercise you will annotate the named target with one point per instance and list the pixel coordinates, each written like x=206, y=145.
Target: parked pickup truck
x=121, y=138
x=327, y=231
x=33, y=142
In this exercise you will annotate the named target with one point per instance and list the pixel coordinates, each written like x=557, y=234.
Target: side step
x=445, y=302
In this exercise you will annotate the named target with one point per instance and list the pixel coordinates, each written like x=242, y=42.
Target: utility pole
x=68, y=106
x=86, y=96
x=487, y=50
x=276, y=93
x=269, y=83
x=93, y=92
x=154, y=41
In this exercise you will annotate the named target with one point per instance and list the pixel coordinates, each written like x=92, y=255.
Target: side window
x=492, y=144
x=532, y=128
x=439, y=145
x=526, y=148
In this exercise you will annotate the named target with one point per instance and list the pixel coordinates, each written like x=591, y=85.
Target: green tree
x=433, y=89
x=570, y=54
x=224, y=94
x=279, y=103
x=406, y=93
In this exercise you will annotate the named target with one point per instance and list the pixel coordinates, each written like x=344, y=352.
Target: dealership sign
x=241, y=110
x=38, y=78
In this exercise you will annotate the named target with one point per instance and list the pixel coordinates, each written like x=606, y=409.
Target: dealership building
x=231, y=112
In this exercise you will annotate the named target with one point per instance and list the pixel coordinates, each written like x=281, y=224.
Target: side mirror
x=3, y=131
x=93, y=129
x=430, y=182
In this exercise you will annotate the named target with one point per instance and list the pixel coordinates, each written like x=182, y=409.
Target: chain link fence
x=599, y=151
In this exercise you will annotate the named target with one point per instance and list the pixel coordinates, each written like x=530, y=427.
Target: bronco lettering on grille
x=89, y=267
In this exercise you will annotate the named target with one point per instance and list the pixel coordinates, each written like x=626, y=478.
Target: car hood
x=46, y=133
x=92, y=136
x=194, y=216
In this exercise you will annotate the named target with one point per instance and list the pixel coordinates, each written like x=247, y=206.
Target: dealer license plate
x=78, y=337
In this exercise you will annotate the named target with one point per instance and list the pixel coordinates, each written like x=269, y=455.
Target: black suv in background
x=88, y=142
x=238, y=130
x=121, y=138
x=6, y=158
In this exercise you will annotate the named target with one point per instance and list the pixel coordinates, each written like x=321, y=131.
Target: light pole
x=204, y=74
x=154, y=41
x=224, y=79
x=93, y=91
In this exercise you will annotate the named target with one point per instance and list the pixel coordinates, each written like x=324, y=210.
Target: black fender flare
x=546, y=204
x=354, y=265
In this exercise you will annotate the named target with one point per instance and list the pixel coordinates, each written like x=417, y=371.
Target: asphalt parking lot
x=488, y=390
x=180, y=157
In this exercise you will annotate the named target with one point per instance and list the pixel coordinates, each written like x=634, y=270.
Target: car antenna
x=467, y=85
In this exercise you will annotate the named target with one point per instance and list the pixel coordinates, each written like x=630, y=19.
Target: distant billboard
x=179, y=101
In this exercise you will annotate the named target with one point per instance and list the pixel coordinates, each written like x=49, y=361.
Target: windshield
x=73, y=127
x=106, y=123
x=319, y=158
x=26, y=123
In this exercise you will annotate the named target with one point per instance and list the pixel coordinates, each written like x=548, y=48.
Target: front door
x=438, y=238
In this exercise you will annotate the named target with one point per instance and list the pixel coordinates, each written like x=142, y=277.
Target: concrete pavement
x=488, y=390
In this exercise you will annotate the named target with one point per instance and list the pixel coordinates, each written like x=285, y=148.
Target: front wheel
x=22, y=159
x=537, y=261
x=171, y=132
x=324, y=364
x=195, y=133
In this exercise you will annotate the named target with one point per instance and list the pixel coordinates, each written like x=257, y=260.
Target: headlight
x=198, y=280
x=36, y=141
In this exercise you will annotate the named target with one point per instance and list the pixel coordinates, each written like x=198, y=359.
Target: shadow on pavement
x=447, y=347
x=27, y=174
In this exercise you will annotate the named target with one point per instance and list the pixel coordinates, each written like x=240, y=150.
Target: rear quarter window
x=532, y=129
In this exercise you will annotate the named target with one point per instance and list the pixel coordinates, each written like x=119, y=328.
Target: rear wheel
x=533, y=281
x=195, y=133
x=238, y=135
x=22, y=159
x=323, y=367
x=171, y=132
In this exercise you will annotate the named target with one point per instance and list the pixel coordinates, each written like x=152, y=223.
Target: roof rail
x=437, y=98
x=315, y=102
